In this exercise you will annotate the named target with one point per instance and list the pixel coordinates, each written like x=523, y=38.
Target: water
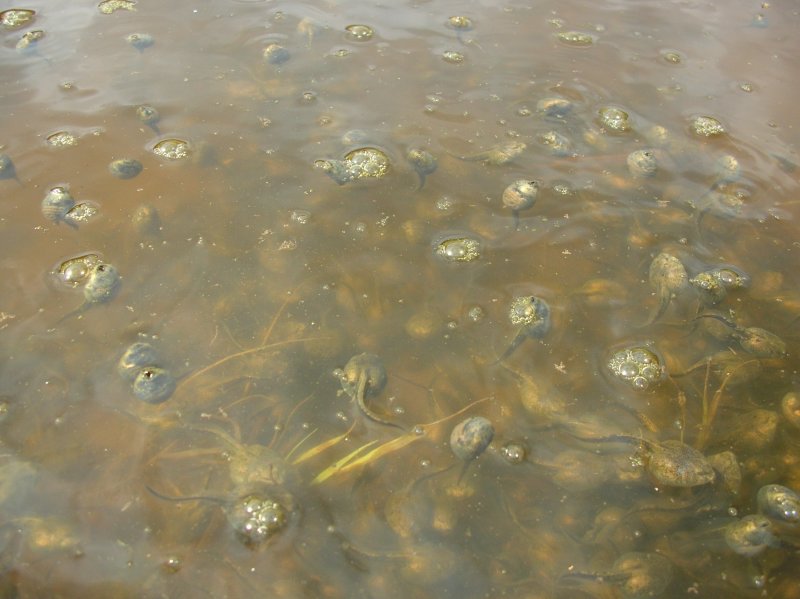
x=255, y=276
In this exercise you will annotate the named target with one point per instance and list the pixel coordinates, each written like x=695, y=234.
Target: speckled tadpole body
x=498, y=155
x=424, y=164
x=532, y=315
x=102, y=284
x=667, y=278
x=363, y=376
x=469, y=439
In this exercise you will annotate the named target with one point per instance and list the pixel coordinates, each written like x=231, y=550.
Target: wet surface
x=261, y=330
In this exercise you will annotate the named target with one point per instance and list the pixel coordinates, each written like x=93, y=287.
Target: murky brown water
x=258, y=260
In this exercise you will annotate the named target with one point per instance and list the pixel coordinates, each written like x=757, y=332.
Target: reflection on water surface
x=353, y=300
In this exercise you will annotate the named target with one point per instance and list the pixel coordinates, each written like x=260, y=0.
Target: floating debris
x=29, y=39
x=16, y=17
x=109, y=6
x=498, y=155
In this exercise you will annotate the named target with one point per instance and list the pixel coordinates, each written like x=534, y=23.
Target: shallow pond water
x=279, y=186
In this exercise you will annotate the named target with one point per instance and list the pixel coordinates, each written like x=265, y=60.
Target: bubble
x=257, y=518
x=651, y=373
x=445, y=203
x=75, y=272
x=61, y=139
x=575, y=38
x=458, y=249
x=301, y=217
x=637, y=366
x=460, y=23
x=614, y=119
x=16, y=17
x=476, y=314
x=81, y=213
x=452, y=57
x=672, y=56
x=707, y=126
x=359, y=33
x=172, y=149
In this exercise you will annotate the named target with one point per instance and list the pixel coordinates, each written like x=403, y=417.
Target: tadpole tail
x=77, y=311
x=178, y=499
x=575, y=579
x=719, y=317
x=463, y=471
x=658, y=312
x=511, y=348
x=362, y=406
